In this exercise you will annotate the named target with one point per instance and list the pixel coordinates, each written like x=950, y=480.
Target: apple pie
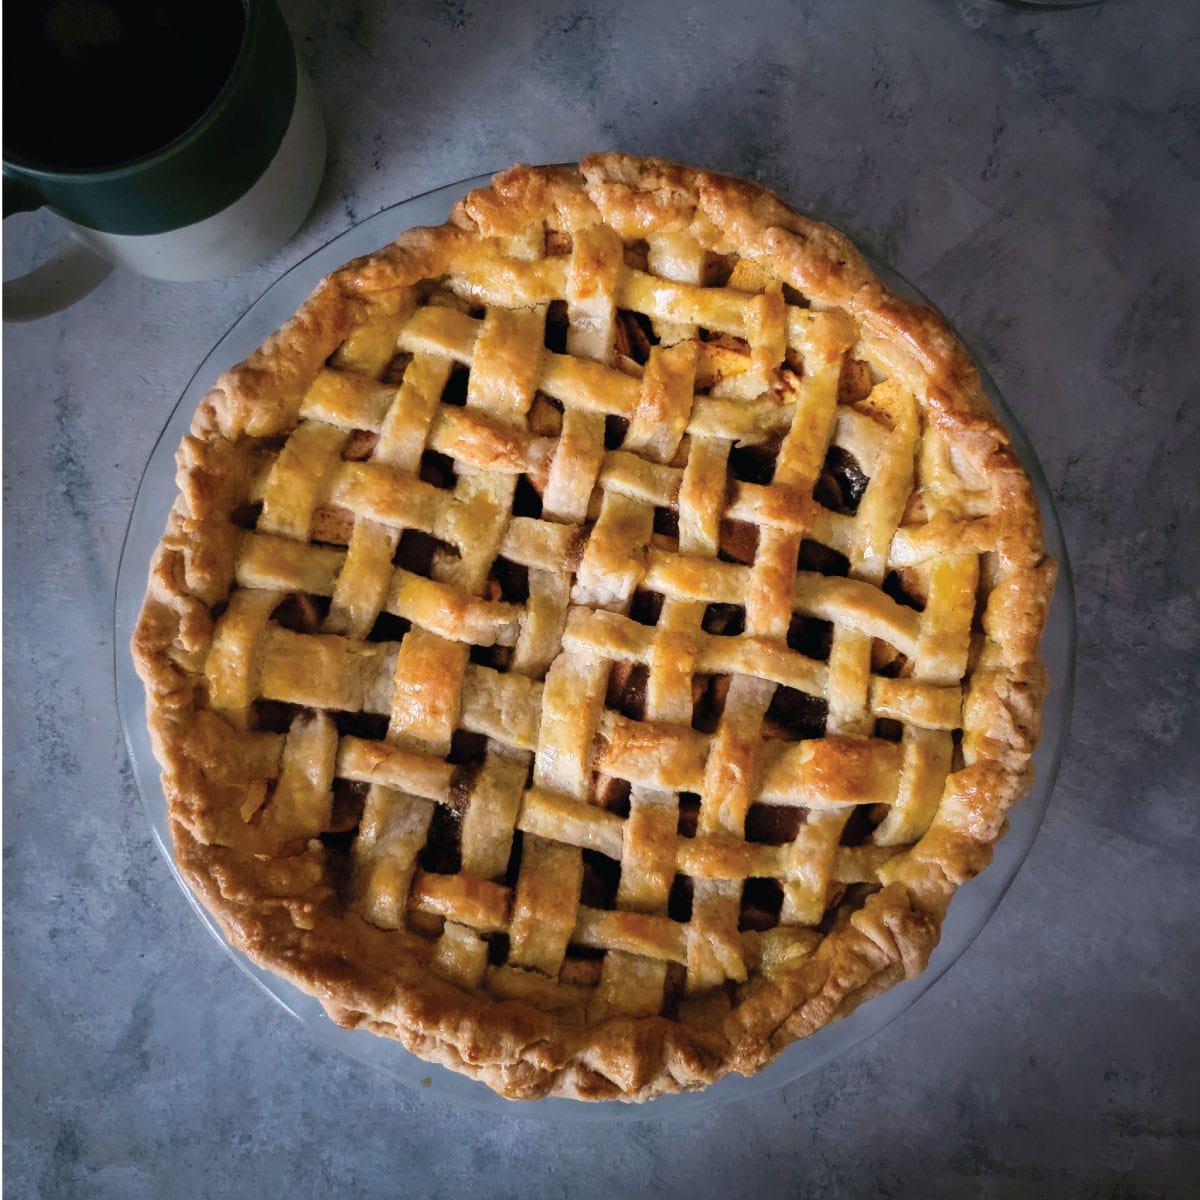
x=594, y=638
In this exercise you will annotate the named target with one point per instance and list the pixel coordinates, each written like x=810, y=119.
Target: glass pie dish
x=155, y=495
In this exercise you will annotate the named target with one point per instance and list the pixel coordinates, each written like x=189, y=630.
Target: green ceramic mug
x=178, y=138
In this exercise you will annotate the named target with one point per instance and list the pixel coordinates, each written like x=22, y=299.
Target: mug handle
x=76, y=270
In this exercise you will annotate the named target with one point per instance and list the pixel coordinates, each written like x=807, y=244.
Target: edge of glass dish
x=969, y=912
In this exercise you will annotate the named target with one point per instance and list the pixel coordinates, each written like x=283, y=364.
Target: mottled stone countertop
x=1037, y=175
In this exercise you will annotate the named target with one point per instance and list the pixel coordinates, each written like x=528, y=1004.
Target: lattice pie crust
x=594, y=638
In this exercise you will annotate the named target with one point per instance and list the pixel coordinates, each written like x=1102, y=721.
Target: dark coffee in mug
x=180, y=139
x=98, y=83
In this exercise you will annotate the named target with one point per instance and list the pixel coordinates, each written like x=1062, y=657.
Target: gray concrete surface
x=1036, y=174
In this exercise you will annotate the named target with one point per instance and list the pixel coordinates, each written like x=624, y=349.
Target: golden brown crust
x=281, y=909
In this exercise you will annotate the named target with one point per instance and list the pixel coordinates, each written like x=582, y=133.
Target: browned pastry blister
x=594, y=638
